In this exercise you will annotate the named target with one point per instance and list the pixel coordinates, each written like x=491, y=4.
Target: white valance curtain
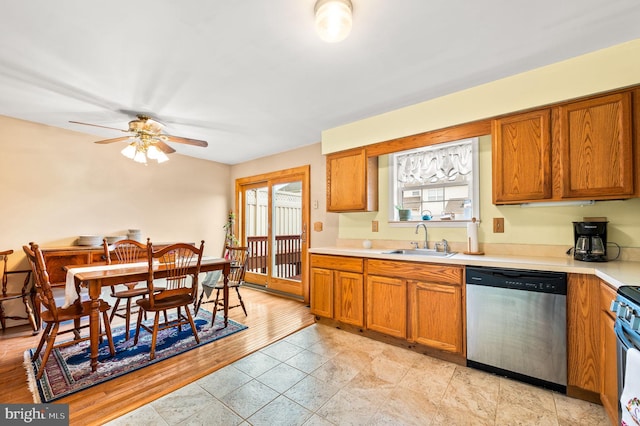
x=436, y=166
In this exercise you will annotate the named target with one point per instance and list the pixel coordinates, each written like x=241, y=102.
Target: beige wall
x=58, y=184
x=599, y=71
x=309, y=155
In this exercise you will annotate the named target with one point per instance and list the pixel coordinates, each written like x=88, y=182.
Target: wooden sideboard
x=56, y=258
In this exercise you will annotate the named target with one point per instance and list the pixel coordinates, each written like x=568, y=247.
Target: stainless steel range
x=627, y=327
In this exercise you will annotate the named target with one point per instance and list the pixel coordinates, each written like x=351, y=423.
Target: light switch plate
x=374, y=226
x=498, y=225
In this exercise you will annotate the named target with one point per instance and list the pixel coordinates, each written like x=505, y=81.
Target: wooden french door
x=273, y=218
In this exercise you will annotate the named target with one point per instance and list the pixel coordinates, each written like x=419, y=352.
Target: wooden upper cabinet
x=595, y=140
x=582, y=150
x=352, y=181
x=522, y=157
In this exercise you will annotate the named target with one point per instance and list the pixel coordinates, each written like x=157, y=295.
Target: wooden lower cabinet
x=387, y=305
x=436, y=314
x=321, y=293
x=349, y=298
x=425, y=305
x=608, y=355
x=583, y=336
x=337, y=288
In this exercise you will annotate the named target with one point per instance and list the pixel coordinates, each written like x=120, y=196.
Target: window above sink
x=439, y=184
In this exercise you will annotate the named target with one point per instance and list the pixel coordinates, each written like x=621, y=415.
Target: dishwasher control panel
x=518, y=279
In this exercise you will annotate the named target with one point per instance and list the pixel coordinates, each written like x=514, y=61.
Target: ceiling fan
x=146, y=139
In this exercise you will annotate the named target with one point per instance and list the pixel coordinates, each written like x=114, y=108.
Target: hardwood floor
x=270, y=318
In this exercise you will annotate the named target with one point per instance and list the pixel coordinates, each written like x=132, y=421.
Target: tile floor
x=324, y=376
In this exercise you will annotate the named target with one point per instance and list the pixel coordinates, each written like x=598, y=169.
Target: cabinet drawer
x=338, y=263
x=430, y=272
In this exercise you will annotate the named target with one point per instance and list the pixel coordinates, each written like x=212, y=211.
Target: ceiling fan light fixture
x=162, y=157
x=152, y=152
x=129, y=151
x=333, y=19
x=140, y=157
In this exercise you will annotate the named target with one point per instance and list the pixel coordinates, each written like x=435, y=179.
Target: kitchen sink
x=421, y=252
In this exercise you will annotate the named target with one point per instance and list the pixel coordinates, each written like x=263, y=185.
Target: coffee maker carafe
x=590, y=241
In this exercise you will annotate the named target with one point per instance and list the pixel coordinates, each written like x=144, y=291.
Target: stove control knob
x=622, y=308
x=634, y=322
x=614, y=305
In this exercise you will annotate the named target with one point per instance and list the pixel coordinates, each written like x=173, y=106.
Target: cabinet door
x=583, y=333
x=387, y=305
x=321, y=293
x=349, y=298
x=609, y=373
x=608, y=364
x=436, y=315
x=352, y=180
x=522, y=157
x=596, y=148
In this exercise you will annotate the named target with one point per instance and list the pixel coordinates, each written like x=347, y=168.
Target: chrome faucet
x=426, y=245
x=444, y=244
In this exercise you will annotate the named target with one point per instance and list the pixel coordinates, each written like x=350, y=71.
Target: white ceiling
x=252, y=78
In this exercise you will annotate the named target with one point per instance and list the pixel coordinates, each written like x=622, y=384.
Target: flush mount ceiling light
x=333, y=19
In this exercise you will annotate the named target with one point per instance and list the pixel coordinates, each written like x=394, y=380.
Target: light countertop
x=615, y=273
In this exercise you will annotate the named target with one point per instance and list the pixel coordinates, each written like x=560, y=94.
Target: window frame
x=436, y=222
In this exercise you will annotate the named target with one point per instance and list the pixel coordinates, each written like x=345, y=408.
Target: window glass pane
x=439, y=181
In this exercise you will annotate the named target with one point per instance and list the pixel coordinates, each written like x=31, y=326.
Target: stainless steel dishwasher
x=516, y=324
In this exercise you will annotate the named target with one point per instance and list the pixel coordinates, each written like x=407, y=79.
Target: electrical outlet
x=498, y=225
x=374, y=226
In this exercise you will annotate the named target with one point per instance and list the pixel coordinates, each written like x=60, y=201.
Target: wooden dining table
x=95, y=280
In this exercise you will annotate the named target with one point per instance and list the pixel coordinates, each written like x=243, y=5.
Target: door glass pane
x=256, y=228
x=287, y=227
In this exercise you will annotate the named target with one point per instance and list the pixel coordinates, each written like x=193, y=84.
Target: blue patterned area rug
x=68, y=369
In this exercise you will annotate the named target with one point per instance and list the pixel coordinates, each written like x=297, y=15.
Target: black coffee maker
x=590, y=241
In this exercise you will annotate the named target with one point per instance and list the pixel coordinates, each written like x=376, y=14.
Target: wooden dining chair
x=125, y=251
x=239, y=257
x=179, y=289
x=24, y=294
x=54, y=315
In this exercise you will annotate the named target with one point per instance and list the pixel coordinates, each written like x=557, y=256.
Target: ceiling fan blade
x=187, y=141
x=164, y=147
x=123, y=138
x=97, y=125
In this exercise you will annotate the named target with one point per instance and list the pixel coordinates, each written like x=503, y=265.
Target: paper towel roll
x=472, y=236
